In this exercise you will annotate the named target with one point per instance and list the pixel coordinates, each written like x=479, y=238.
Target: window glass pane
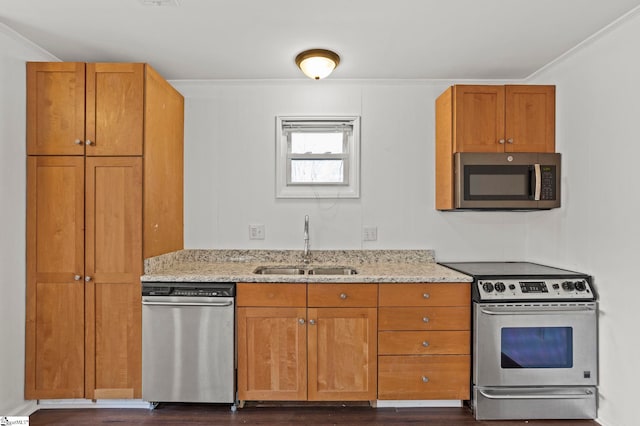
x=317, y=171
x=537, y=347
x=317, y=143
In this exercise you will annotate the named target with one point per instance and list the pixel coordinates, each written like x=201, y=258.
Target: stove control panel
x=535, y=289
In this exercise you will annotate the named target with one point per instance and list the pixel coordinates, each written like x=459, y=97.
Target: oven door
x=535, y=344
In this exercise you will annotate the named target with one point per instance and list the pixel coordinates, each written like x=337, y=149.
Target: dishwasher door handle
x=210, y=304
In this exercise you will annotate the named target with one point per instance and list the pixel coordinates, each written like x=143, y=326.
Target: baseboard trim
x=418, y=403
x=26, y=408
x=46, y=404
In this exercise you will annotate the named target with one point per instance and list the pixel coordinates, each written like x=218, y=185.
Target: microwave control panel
x=535, y=289
x=548, y=182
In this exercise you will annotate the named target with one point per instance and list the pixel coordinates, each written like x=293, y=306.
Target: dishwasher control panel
x=189, y=289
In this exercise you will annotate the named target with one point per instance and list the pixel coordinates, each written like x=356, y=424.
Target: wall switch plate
x=256, y=232
x=370, y=233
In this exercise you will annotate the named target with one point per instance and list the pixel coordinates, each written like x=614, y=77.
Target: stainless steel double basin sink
x=315, y=270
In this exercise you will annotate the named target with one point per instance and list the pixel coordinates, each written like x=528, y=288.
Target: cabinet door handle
x=426, y=295
x=78, y=142
x=90, y=142
x=301, y=321
x=501, y=141
x=510, y=140
x=425, y=319
x=77, y=277
x=425, y=379
x=87, y=278
x=312, y=322
x=343, y=296
x=425, y=344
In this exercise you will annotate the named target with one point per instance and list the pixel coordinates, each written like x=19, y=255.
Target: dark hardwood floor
x=203, y=414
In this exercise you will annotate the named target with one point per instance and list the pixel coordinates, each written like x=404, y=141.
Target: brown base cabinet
x=353, y=342
x=424, y=341
x=317, y=349
x=87, y=203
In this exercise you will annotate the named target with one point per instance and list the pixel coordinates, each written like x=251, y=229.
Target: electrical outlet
x=370, y=233
x=256, y=232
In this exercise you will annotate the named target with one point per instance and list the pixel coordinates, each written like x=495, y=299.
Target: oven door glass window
x=536, y=347
x=483, y=182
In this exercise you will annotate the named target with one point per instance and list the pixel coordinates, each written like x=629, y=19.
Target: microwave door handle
x=535, y=182
x=538, y=182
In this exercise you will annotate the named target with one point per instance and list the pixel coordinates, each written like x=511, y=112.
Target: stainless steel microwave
x=509, y=181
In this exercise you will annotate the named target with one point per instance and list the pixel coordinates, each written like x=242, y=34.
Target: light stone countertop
x=372, y=266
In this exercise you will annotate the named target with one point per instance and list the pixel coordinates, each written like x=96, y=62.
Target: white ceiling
x=259, y=39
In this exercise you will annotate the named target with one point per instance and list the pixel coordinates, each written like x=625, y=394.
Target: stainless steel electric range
x=535, y=349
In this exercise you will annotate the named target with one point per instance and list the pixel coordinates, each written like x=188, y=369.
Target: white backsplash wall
x=598, y=231
x=230, y=172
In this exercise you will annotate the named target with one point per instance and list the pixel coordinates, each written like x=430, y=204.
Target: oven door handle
x=585, y=309
x=586, y=394
x=209, y=304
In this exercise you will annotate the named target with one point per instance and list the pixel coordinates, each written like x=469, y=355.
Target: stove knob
x=488, y=287
x=568, y=286
x=500, y=287
x=512, y=286
x=580, y=286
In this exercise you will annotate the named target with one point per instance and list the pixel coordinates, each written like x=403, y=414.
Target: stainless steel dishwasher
x=188, y=342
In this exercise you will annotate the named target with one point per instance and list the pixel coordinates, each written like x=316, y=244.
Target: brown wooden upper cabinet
x=512, y=118
x=85, y=109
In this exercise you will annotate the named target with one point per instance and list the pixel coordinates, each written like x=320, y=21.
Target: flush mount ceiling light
x=317, y=63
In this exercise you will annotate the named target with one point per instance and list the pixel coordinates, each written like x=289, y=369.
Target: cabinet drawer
x=424, y=343
x=343, y=295
x=439, y=294
x=416, y=318
x=424, y=377
x=275, y=295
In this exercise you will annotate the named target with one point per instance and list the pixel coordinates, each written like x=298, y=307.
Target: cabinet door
x=342, y=354
x=55, y=107
x=530, y=118
x=115, y=109
x=479, y=119
x=272, y=354
x=113, y=269
x=55, y=286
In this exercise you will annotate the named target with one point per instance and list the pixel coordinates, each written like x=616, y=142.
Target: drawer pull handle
x=425, y=379
x=87, y=278
x=78, y=142
x=343, y=296
x=301, y=321
x=425, y=344
x=312, y=322
x=426, y=295
x=425, y=319
x=89, y=142
x=77, y=277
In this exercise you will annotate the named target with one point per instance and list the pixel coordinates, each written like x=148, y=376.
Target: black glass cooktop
x=509, y=269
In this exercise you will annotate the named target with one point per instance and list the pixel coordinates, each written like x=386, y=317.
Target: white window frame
x=349, y=188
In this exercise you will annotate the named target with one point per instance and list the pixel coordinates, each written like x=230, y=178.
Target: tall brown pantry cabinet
x=104, y=191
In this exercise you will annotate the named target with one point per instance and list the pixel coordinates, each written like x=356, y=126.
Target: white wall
x=598, y=229
x=230, y=172
x=14, y=52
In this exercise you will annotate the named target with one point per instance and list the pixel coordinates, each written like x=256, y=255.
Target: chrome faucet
x=306, y=254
